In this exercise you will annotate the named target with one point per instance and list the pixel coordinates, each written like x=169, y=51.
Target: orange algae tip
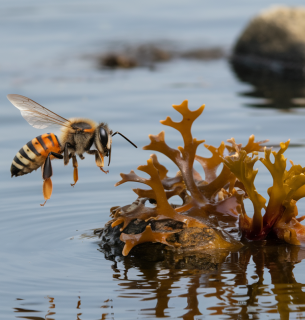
x=131, y=240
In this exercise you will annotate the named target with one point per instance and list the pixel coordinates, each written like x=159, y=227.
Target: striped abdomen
x=33, y=154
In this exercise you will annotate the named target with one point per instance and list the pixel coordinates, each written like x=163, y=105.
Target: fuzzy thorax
x=78, y=139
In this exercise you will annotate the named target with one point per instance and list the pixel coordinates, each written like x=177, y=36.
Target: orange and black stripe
x=32, y=155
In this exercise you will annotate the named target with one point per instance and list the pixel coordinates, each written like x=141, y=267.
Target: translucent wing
x=36, y=115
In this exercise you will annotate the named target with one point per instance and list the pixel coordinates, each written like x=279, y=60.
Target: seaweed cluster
x=213, y=203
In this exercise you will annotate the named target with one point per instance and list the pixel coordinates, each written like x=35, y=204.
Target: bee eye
x=103, y=137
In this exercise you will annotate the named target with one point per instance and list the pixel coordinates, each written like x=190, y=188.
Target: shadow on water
x=234, y=289
x=271, y=91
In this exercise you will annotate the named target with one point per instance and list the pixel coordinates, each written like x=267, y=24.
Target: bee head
x=103, y=140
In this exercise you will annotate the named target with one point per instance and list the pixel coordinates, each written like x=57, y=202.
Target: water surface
x=51, y=267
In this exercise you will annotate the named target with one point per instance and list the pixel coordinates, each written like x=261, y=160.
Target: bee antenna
x=124, y=138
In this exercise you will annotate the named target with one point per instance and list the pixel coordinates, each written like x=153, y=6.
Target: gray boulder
x=273, y=42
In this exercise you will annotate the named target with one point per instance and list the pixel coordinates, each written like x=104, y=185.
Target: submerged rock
x=148, y=55
x=134, y=56
x=273, y=43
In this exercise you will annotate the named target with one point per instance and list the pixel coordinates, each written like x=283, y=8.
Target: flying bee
x=78, y=135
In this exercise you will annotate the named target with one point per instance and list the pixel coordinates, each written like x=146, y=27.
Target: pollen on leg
x=47, y=188
x=75, y=176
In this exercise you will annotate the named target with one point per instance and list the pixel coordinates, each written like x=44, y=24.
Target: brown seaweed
x=216, y=200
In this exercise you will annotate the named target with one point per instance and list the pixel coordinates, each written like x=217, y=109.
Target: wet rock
x=192, y=238
x=273, y=43
x=190, y=254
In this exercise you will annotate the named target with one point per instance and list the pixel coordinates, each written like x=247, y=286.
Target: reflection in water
x=227, y=291
x=78, y=307
x=51, y=312
x=238, y=289
x=272, y=92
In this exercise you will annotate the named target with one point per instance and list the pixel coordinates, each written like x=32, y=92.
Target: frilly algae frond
x=214, y=203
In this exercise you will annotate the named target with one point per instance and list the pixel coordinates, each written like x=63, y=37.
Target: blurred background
x=54, y=52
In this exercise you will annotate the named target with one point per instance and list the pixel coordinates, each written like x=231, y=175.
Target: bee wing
x=36, y=115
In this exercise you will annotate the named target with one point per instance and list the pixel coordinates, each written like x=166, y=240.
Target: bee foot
x=43, y=203
x=104, y=170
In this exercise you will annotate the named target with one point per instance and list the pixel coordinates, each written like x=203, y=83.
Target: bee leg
x=107, y=171
x=98, y=159
x=56, y=155
x=75, y=173
x=67, y=156
x=47, y=173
